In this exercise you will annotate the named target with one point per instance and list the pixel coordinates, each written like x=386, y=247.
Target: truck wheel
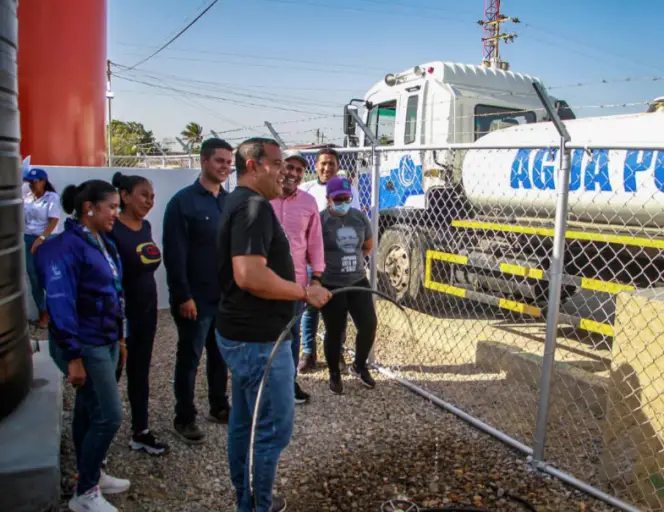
x=400, y=262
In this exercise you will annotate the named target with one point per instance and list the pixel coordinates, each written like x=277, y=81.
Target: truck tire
x=400, y=262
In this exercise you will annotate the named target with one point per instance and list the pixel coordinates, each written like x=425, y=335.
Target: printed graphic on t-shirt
x=149, y=253
x=347, y=242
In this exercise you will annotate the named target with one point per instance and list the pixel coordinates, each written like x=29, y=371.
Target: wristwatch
x=315, y=278
x=42, y=237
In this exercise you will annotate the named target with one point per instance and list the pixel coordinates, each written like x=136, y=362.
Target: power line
x=244, y=64
x=163, y=47
x=355, y=90
x=215, y=88
x=190, y=51
x=373, y=11
x=601, y=50
x=219, y=98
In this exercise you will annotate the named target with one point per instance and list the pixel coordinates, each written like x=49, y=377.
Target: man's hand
x=36, y=245
x=317, y=296
x=123, y=353
x=76, y=373
x=188, y=310
x=315, y=282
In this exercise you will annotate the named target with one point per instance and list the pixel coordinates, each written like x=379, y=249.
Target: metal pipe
x=375, y=201
x=457, y=412
x=584, y=487
x=541, y=466
x=109, y=130
x=276, y=135
x=555, y=282
x=640, y=146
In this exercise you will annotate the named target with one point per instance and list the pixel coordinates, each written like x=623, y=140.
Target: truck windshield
x=489, y=118
x=381, y=122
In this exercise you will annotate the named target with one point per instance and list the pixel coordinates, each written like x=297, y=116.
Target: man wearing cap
x=297, y=212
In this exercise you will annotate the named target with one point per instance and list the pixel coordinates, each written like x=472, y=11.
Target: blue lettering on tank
x=635, y=161
x=597, y=172
x=659, y=171
x=519, y=177
x=545, y=161
x=575, y=170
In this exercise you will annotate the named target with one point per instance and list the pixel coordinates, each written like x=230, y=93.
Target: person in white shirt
x=41, y=208
x=327, y=167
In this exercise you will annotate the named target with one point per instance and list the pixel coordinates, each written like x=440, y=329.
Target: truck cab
x=438, y=103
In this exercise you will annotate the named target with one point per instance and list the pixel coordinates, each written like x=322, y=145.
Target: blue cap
x=35, y=174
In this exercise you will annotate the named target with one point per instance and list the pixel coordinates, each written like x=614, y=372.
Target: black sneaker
x=146, y=442
x=278, y=504
x=364, y=375
x=300, y=396
x=336, y=386
x=220, y=416
x=189, y=433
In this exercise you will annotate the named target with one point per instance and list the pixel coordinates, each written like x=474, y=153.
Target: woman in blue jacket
x=82, y=276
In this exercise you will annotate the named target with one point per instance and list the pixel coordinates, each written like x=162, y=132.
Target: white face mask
x=25, y=189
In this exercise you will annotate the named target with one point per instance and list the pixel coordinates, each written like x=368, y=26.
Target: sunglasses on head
x=342, y=199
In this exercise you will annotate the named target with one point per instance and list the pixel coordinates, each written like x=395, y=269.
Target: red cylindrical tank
x=62, y=81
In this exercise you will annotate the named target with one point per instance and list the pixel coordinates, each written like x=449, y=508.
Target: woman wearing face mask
x=140, y=257
x=41, y=208
x=82, y=274
x=347, y=239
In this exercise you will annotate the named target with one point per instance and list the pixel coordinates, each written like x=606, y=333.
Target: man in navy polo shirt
x=191, y=259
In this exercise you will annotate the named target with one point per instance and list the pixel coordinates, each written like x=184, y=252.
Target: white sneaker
x=111, y=485
x=91, y=501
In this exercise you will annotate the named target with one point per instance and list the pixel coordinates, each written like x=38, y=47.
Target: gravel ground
x=348, y=453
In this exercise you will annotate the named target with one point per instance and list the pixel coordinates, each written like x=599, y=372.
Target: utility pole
x=492, y=36
x=109, y=98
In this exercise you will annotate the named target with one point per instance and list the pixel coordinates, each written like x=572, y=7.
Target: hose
x=266, y=374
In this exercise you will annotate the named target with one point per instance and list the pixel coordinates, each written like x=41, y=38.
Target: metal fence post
x=555, y=278
x=375, y=201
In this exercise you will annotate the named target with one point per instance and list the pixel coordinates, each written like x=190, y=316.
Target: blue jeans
x=35, y=286
x=247, y=363
x=295, y=333
x=192, y=337
x=97, y=410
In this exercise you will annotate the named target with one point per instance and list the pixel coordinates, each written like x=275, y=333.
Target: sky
x=295, y=63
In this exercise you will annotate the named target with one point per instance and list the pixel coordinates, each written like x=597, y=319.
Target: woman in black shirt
x=140, y=257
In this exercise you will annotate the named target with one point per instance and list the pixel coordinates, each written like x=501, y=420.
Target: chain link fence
x=466, y=242
x=472, y=259
x=157, y=162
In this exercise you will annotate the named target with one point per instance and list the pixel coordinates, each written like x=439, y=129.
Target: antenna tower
x=492, y=35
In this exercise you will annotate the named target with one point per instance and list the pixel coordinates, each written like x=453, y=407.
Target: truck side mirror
x=349, y=122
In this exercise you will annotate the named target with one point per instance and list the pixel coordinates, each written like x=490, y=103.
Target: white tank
x=624, y=187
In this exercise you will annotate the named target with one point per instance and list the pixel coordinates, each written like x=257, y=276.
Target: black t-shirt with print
x=249, y=227
x=140, y=258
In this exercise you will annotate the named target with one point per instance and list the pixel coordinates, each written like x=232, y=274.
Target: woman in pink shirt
x=298, y=213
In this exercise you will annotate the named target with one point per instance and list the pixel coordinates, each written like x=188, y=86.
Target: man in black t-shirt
x=258, y=297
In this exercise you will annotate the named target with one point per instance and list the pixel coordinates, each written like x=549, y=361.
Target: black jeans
x=192, y=337
x=361, y=308
x=142, y=327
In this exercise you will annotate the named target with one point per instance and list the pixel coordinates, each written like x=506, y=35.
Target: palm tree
x=193, y=134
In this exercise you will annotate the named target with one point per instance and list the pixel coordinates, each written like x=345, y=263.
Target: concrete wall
x=166, y=183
